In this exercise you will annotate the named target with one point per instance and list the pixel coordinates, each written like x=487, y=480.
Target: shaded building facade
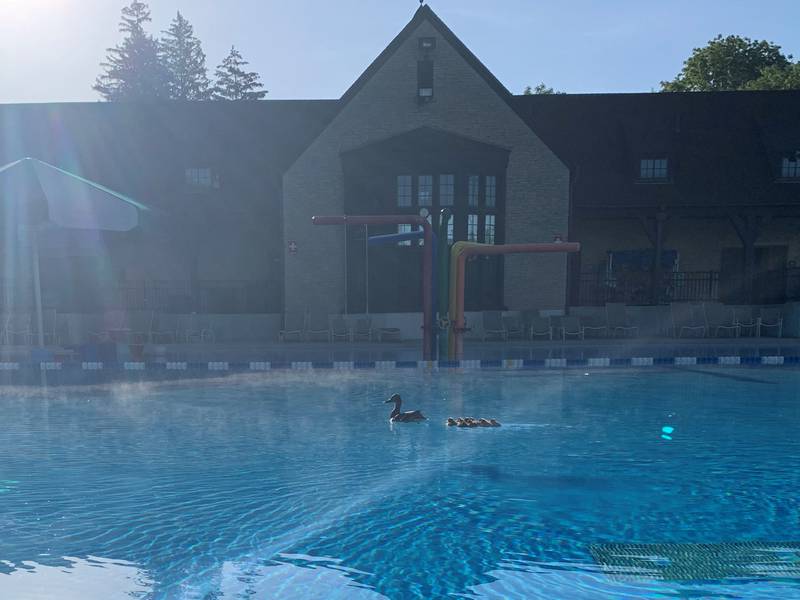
x=673, y=196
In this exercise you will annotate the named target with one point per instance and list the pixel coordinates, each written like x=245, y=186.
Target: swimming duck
x=410, y=416
x=471, y=422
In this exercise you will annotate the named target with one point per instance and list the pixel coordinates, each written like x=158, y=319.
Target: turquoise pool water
x=294, y=485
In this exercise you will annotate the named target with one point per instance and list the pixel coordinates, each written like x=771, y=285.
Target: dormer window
x=653, y=169
x=424, y=81
x=790, y=166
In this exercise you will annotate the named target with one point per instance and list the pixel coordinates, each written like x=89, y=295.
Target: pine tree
x=183, y=57
x=133, y=69
x=234, y=83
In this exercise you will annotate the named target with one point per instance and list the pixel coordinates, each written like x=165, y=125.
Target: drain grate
x=685, y=562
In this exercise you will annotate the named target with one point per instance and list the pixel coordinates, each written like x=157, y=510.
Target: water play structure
x=459, y=254
x=427, y=260
x=443, y=272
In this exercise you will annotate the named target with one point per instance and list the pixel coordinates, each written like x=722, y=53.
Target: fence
x=635, y=287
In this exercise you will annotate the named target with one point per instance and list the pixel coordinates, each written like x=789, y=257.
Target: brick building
x=707, y=183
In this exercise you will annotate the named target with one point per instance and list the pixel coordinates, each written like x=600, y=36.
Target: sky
x=50, y=50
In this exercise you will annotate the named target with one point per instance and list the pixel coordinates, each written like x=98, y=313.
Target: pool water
x=294, y=485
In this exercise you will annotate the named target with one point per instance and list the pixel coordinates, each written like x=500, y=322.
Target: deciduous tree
x=730, y=63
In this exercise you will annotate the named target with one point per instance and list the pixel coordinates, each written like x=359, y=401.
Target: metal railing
x=636, y=287
x=596, y=288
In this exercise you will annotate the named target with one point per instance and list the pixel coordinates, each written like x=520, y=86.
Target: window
x=427, y=43
x=450, y=235
x=472, y=190
x=404, y=228
x=790, y=167
x=472, y=228
x=424, y=80
x=491, y=191
x=488, y=229
x=653, y=168
x=404, y=190
x=446, y=190
x=200, y=177
x=425, y=190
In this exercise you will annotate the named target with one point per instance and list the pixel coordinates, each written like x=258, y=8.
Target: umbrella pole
x=37, y=287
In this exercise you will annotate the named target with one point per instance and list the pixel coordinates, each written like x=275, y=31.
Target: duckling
x=410, y=416
x=451, y=422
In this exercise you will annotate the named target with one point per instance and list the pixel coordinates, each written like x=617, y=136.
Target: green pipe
x=443, y=284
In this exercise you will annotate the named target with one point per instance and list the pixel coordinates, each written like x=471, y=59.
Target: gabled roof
x=425, y=13
x=141, y=149
x=724, y=148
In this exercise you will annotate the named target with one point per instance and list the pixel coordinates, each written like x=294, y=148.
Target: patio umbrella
x=36, y=196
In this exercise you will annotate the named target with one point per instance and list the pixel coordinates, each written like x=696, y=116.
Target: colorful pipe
x=427, y=259
x=442, y=285
x=458, y=258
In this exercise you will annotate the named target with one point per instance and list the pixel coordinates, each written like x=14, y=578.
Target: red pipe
x=427, y=258
x=492, y=250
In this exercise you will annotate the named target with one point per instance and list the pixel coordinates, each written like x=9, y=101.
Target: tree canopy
x=133, y=69
x=142, y=68
x=735, y=63
x=540, y=89
x=234, y=82
x=185, y=61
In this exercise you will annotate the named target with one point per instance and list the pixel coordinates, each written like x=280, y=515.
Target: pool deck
x=289, y=352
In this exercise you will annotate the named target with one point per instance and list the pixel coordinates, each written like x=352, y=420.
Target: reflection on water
x=585, y=582
x=289, y=577
x=89, y=578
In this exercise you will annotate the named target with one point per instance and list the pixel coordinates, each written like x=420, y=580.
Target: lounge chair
x=294, y=324
x=363, y=329
x=771, y=318
x=598, y=324
x=318, y=326
x=571, y=325
x=618, y=320
x=199, y=330
x=338, y=328
x=163, y=329
x=513, y=327
x=493, y=325
x=745, y=318
x=540, y=325
x=687, y=317
x=720, y=318
x=18, y=325
x=49, y=328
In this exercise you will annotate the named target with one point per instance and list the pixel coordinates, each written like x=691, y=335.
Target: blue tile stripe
x=8, y=368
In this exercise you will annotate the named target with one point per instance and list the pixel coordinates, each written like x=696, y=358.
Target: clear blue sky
x=50, y=49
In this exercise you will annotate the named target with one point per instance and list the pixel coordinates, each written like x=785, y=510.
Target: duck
x=471, y=422
x=410, y=416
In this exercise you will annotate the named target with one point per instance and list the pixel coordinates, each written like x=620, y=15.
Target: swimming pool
x=294, y=485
